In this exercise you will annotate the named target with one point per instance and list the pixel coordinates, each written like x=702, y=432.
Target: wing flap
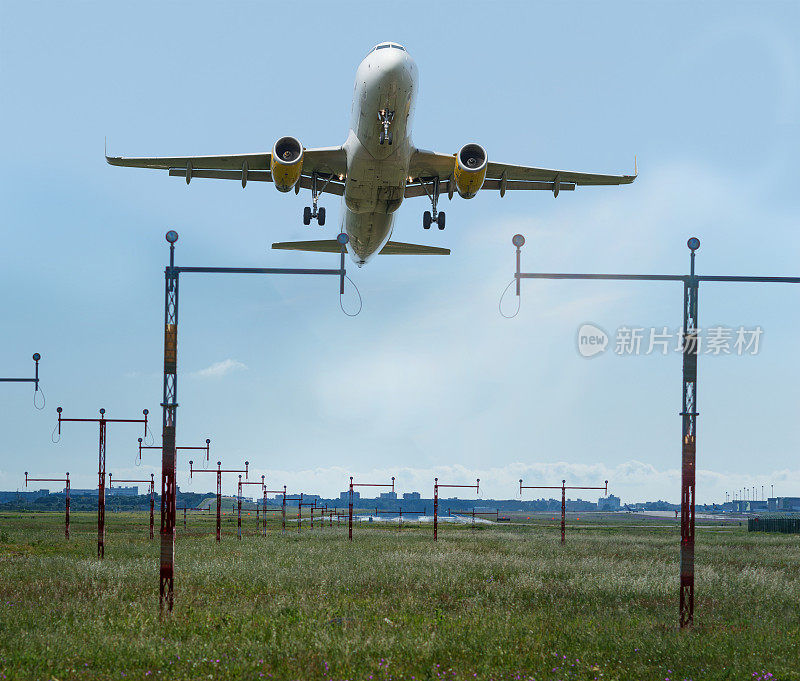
x=528, y=185
x=415, y=189
x=252, y=175
x=332, y=187
x=329, y=187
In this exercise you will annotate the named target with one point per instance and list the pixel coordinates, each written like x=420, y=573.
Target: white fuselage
x=376, y=173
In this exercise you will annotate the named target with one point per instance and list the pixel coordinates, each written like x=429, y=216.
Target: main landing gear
x=385, y=118
x=433, y=215
x=317, y=214
x=314, y=213
x=428, y=219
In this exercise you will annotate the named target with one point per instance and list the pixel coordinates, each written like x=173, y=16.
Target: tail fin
x=333, y=246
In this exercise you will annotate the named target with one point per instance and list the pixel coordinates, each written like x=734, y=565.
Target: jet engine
x=470, y=170
x=286, y=163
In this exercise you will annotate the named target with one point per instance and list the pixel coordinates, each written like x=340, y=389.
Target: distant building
x=345, y=496
x=125, y=491
x=389, y=496
x=411, y=496
x=110, y=491
x=610, y=503
x=5, y=497
x=788, y=504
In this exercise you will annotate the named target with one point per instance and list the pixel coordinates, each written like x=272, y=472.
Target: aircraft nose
x=393, y=63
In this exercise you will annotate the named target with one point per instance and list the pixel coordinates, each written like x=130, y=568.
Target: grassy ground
x=503, y=602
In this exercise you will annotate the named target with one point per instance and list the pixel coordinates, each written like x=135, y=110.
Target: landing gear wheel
x=389, y=137
x=306, y=216
x=440, y=220
x=426, y=220
x=381, y=137
x=321, y=217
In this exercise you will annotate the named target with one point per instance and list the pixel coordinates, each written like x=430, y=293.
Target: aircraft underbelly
x=368, y=233
x=376, y=171
x=374, y=187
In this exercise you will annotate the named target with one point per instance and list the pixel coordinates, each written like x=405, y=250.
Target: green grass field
x=498, y=602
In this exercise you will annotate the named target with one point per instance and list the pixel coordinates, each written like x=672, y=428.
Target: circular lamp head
x=190, y=462
x=342, y=238
x=102, y=411
x=36, y=356
x=140, y=440
x=58, y=409
x=518, y=240
x=693, y=243
x=172, y=236
x=208, y=442
x=145, y=411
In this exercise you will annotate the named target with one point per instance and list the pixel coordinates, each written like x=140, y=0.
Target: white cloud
x=219, y=369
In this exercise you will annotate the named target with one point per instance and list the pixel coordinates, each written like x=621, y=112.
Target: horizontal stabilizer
x=333, y=246
x=399, y=248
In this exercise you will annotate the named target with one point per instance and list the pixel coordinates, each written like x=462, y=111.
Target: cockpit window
x=383, y=46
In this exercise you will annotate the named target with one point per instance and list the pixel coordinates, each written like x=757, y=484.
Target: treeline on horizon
x=114, y=502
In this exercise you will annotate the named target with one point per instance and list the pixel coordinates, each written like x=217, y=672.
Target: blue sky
x=429, y=379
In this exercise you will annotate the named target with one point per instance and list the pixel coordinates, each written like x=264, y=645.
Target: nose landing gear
x=385, y=118
x=314, y=213
x=433, y=215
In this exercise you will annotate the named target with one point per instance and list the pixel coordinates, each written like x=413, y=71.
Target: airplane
x=376, y=168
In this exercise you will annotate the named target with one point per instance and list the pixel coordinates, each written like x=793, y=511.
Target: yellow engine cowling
x=470, y=170
x=286, y=163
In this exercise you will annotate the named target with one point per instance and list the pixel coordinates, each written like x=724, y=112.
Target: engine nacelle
x=470, y=170
x=286, y=163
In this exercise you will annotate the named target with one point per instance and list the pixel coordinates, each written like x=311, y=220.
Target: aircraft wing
x=225, y=162
x=501, y=176
x=329, y=163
